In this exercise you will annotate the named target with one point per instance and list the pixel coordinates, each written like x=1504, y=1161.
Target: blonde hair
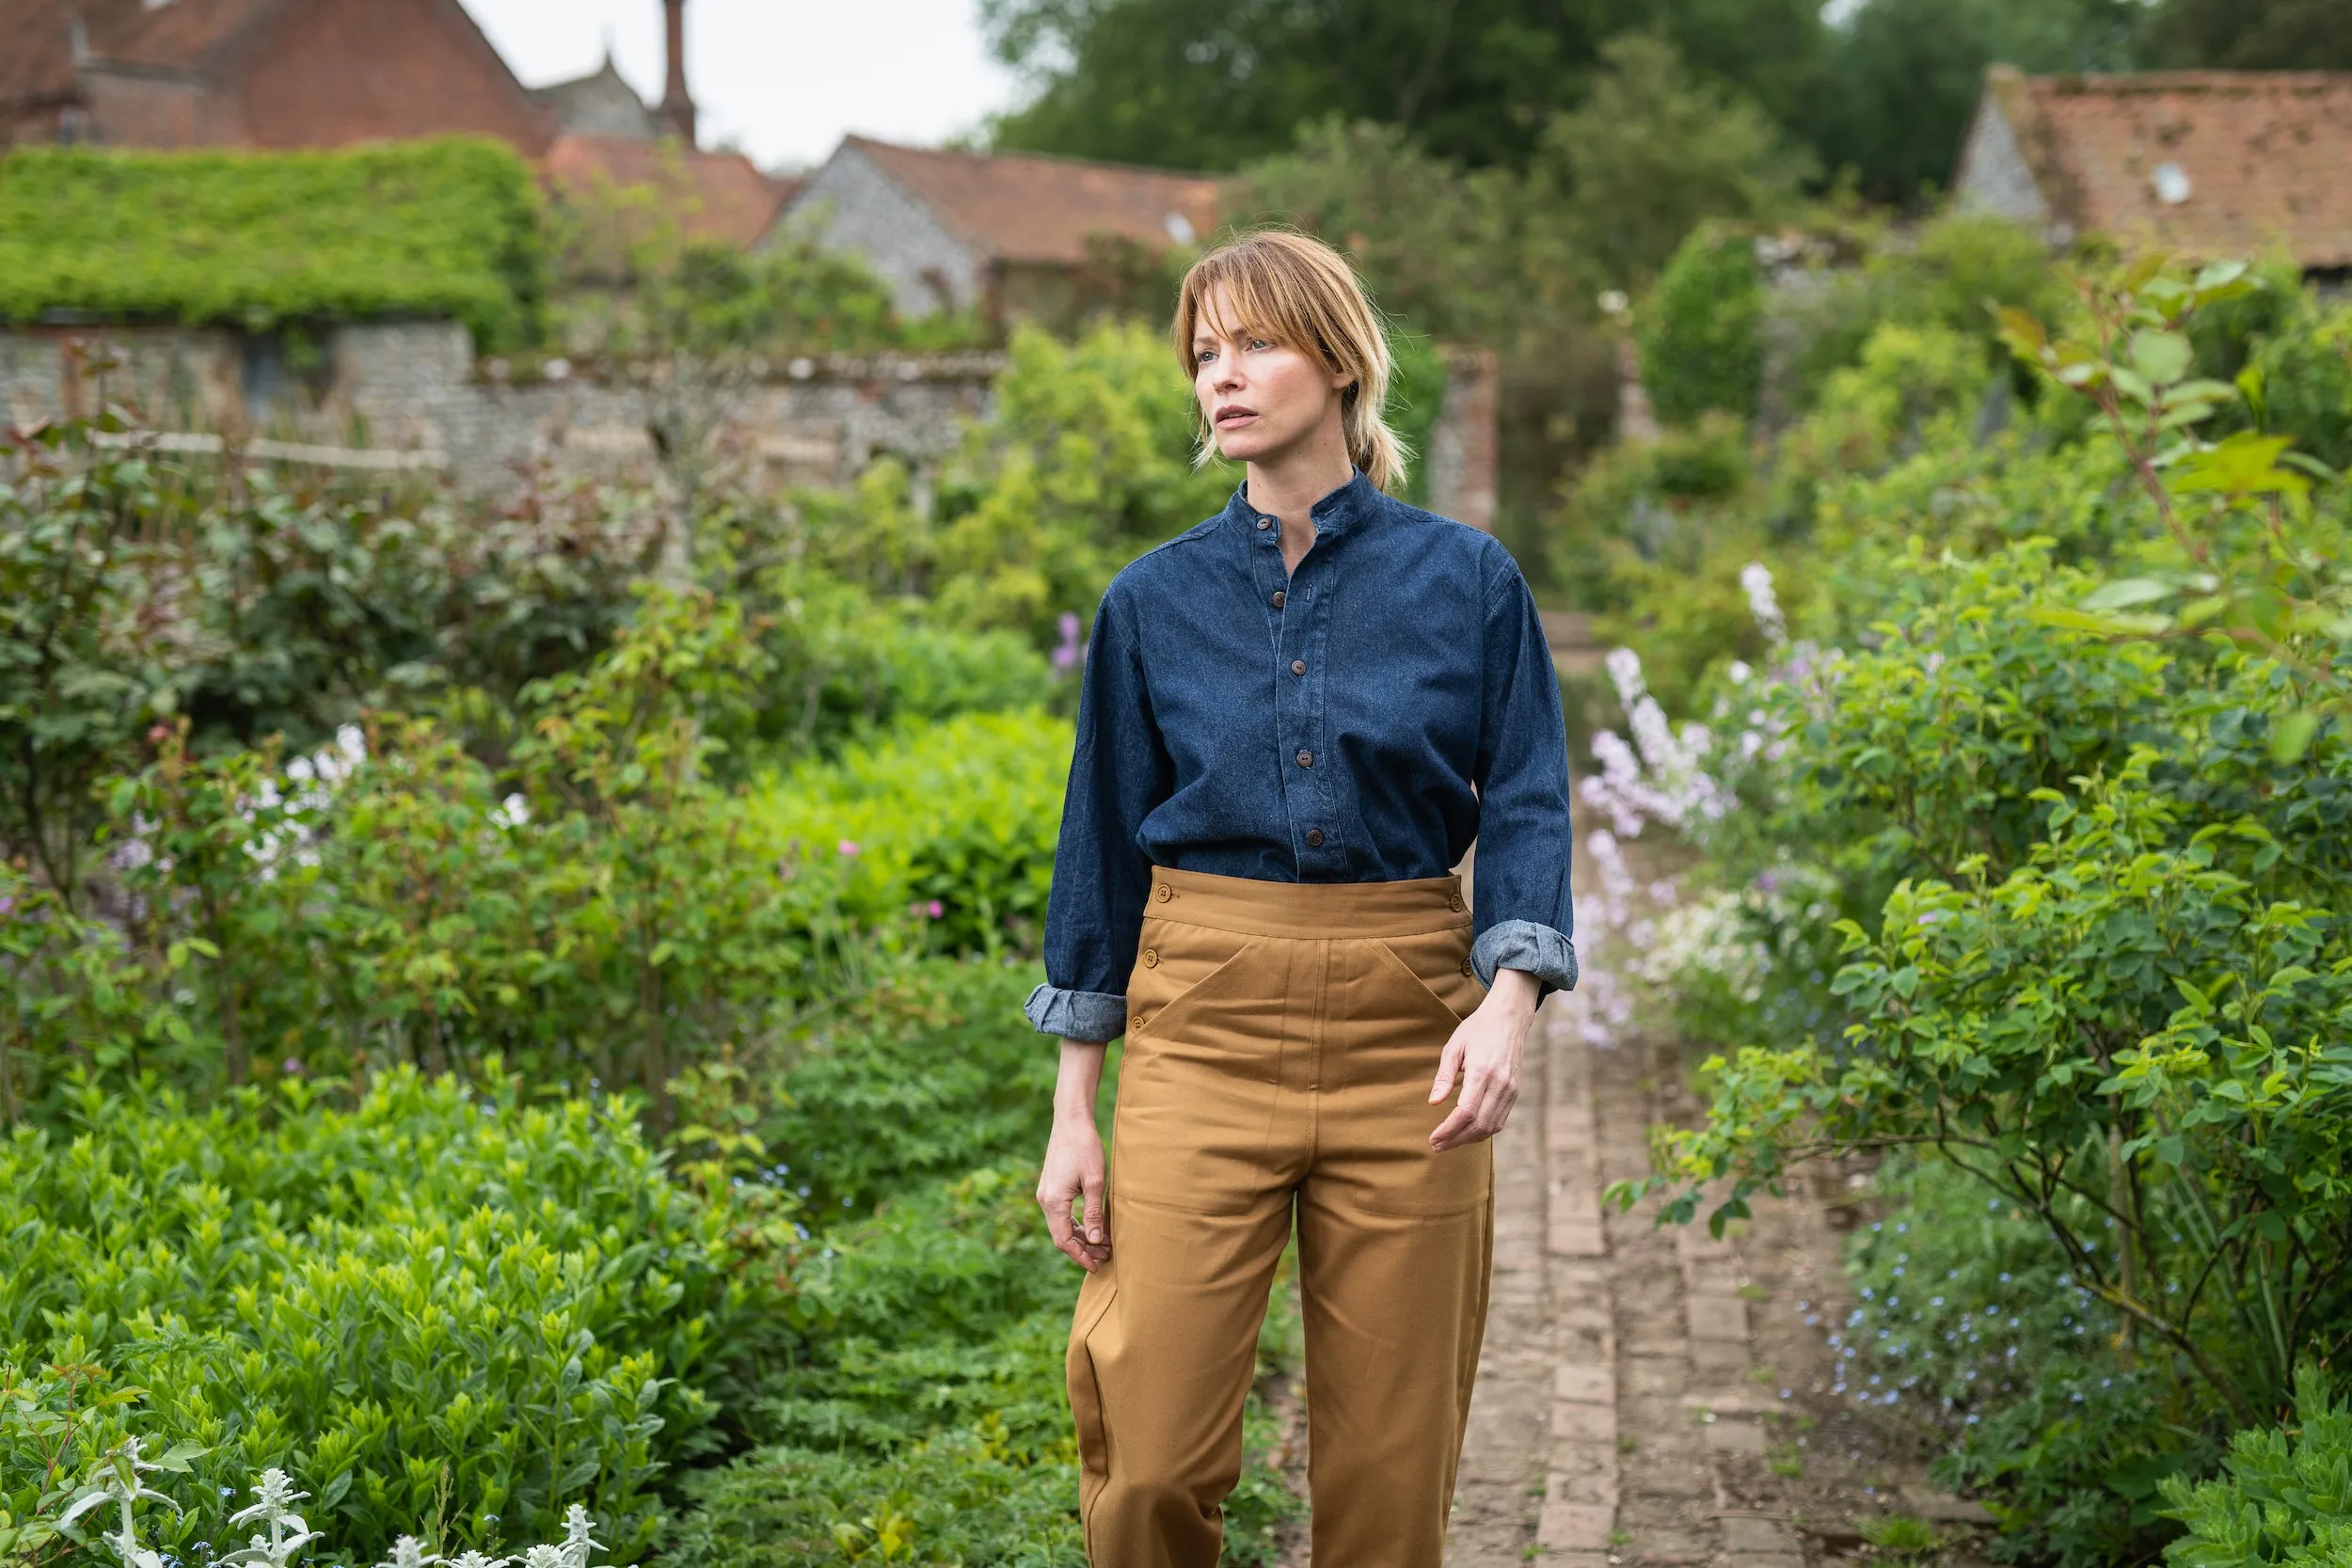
x=1302, y=294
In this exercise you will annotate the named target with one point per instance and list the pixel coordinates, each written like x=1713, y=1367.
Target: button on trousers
x=1281, y=1042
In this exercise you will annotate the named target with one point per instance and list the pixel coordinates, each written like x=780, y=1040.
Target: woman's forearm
x=1079, y=1080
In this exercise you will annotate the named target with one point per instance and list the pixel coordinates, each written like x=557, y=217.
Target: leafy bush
x=2076, y=776
x=135, y=588
x=443, y=227
x=928, y=1423
x=1086, y=460
x=953, y=824
x=2285, y=1497
x=1969, y=1319
x=1701, y=331
x=431, y=1306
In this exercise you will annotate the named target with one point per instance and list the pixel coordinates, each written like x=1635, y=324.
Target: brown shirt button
x=1151, y=959
x=1457, y=902
x=1466, y=967
x=1135, y=1023
x=1314, y=838
x=1166, y=893
x=1306, y=759
x=1298, y=666
x=1278, y=598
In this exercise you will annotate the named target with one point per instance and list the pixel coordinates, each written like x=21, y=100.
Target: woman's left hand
x=1484, y=1052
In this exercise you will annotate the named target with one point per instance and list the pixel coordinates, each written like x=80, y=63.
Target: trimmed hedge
x=448, y=227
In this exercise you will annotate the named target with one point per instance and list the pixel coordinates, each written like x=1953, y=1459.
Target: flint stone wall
x=416, y=389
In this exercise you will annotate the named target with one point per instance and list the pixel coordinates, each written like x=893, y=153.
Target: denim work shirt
x=1361, y=720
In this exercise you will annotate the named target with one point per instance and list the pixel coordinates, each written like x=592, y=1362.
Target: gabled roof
x=1024, y=207
x=2209, y=163
x=180, y=37
x=601, y=104
x=721, y=197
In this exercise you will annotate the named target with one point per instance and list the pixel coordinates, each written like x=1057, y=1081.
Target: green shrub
x=2286, y=1495
x=928, y=1408
x=429, y=1290
x=1968, y=1318
x=1085, y=461
x=2089, y=828
x=443, y=228
x=273, y=608
x=928, y=1073
x=1701, y=331
x=952, y=825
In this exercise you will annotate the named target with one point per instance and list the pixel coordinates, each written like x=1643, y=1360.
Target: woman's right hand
x=1073, y=1170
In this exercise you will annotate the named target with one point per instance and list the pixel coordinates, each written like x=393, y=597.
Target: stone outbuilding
x=2206, y=162
x=995, y=233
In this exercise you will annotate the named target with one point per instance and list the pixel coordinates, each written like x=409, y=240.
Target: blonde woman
x=1295, y=718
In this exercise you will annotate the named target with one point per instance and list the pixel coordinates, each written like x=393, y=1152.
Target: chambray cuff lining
x=1545, y=954
x=1093, y=1016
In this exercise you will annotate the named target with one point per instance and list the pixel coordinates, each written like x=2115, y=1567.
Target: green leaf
x=2128, y=591
x=2163, y=357
x=2291, y=736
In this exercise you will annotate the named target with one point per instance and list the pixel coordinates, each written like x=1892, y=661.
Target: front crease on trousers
x=1281, y=1041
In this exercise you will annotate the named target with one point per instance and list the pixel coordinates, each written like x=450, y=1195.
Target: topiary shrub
x=1700, y=332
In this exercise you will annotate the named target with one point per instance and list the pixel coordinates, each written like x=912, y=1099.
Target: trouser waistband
x=1308, y=909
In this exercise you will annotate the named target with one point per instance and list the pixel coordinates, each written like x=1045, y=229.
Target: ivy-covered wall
x=448, y=228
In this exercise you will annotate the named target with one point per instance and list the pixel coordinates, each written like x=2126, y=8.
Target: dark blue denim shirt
x=1361, y=719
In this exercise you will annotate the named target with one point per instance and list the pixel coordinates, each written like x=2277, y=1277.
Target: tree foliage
x=1211, y=84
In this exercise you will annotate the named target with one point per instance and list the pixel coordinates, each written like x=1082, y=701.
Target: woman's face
x=1261, y=399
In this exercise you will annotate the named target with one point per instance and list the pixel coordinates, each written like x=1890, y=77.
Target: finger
x=1449, y=1062
x=1497, y=1112
x=1057, y=1206
x=1092, y=1185
x=1456, y=1129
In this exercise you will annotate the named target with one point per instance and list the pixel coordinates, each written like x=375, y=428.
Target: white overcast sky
x=782, y=79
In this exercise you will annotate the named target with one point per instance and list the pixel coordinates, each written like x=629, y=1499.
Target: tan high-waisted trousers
x=1281, y=1042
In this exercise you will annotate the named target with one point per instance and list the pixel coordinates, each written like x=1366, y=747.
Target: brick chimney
x=677, y=108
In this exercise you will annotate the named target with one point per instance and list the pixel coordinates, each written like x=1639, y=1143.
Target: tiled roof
x=1020, y=207
x=181, y=35
x=718, y=195
x=2209, y=163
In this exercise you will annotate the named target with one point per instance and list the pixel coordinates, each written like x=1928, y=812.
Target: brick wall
x=1463, y=455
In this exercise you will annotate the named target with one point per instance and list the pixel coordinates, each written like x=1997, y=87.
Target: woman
x=1296, y=718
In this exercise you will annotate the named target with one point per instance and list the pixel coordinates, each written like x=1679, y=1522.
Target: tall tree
x=1903, y=77
x=2252, y=35
x=1211, y=84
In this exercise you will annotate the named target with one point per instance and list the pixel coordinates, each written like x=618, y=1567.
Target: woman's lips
x=1234, y=416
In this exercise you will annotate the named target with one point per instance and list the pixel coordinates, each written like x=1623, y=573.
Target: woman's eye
x=1258, y=343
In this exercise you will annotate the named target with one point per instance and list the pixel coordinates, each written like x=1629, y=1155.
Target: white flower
x=577, y=1544
x=409, y=1552
x=1757, y=579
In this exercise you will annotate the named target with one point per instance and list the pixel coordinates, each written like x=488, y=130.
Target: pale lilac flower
x=1070, y=652
x=849, y=847
x=1757, y=579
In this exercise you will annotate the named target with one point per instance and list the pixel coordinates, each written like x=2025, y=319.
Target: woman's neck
x=1289, y=484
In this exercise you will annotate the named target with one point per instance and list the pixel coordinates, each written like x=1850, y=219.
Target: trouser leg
x=1395, y=1247
x=1207, y=1149
x=1161, y=1356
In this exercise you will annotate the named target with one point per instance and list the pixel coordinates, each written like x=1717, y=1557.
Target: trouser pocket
x=1095, y=1300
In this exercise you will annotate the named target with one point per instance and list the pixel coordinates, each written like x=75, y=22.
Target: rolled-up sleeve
x=1118, y=772
x=1522, y=915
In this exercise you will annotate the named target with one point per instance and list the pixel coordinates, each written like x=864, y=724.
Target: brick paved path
x=1651, y=1396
